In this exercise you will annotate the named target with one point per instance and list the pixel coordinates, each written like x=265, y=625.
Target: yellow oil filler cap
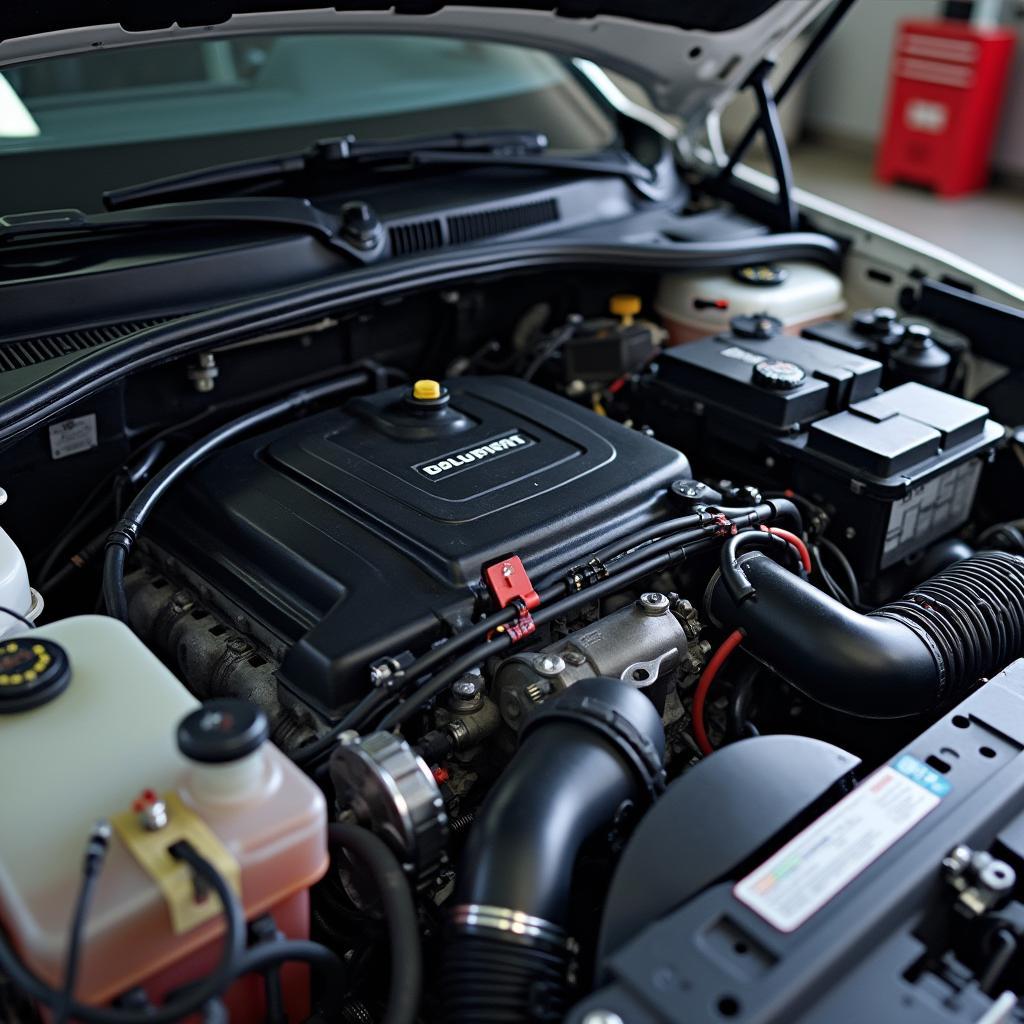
x=625, y=307
x=426, y=390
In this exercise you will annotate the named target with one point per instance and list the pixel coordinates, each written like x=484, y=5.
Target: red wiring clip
x=508, y=581
x=725, y=526
x=522, y=627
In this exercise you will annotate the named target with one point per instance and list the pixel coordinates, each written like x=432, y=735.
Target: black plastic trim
x=41, y=400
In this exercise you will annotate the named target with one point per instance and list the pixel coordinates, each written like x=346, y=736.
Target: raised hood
x=691, y=55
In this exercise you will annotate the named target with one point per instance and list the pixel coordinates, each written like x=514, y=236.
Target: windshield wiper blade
x=614, y=164
x=282, y=211
x=327, y=153
x=499, y=148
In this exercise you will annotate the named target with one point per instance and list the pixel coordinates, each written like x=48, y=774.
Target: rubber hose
x=406, y=980
x=905, y=658
x=588, y=751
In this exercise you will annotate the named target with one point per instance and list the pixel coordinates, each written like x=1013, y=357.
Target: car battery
x=948, y=80
x=900, y=469
x=896, y=468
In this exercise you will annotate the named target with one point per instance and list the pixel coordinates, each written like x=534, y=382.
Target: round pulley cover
x=390, y=789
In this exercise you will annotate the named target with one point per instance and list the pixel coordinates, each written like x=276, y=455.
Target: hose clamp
x=122, y=536
x=512, y=925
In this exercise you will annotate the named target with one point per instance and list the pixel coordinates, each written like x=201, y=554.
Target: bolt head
x=957, y=861
x=465, y=688
x=997, y=876
x=549, y=664
x=689, y=488
x=153, y=816
x=653, y=603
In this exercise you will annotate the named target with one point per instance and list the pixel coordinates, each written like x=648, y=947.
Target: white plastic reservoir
x=700, y=303
x=86, y=754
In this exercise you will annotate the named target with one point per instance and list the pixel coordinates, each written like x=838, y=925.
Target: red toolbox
x=948, y=79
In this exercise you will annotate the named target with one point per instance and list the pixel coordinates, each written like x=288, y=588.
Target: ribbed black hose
x=961, y=626
x=588, y=750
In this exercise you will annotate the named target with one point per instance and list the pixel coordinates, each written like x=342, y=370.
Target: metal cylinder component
x=381, y=782
x=472, y=727
x=655, y=635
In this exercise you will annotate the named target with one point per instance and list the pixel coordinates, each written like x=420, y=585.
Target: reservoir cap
x=778, y=374
x=32, y=672
x=426, y=390
x=222, y=730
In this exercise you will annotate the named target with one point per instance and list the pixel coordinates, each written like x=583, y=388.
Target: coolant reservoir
x=697, y=304
x=15, y=593
x=84, y=748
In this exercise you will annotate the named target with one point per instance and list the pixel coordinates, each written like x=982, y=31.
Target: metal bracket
x=150, y=849
x=771, y=127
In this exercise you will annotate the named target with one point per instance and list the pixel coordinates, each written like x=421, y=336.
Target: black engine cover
x=358, y=532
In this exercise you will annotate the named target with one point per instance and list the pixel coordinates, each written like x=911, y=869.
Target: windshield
x=71, y=127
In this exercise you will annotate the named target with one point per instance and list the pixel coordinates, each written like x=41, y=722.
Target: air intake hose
x=905, y=658
x=584, y=754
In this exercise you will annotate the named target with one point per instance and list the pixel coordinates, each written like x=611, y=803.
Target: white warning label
x=812, y=868
x=69, y=437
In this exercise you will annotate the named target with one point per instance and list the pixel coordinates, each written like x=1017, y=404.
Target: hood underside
x=690, y=55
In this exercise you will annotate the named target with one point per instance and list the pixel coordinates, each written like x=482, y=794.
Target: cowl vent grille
x=15, y=355
x=501, y=220
x=419, y=236
x=460, y=228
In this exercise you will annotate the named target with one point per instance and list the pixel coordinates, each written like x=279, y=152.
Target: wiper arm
x=278, y=211
x=500, y=148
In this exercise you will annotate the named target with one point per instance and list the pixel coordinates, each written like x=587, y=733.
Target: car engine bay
x=524, y=629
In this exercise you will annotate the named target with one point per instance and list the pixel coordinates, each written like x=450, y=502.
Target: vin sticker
x=69, y=437
x=795, y=883
x=465, y=458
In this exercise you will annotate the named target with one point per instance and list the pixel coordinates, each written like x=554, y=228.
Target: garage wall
x=1010, y=147
x=849, y=82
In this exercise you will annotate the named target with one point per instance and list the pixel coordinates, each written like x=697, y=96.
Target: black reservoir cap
x=32, y=672
x=222, y=730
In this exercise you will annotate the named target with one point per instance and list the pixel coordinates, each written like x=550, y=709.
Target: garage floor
x=987, y=228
